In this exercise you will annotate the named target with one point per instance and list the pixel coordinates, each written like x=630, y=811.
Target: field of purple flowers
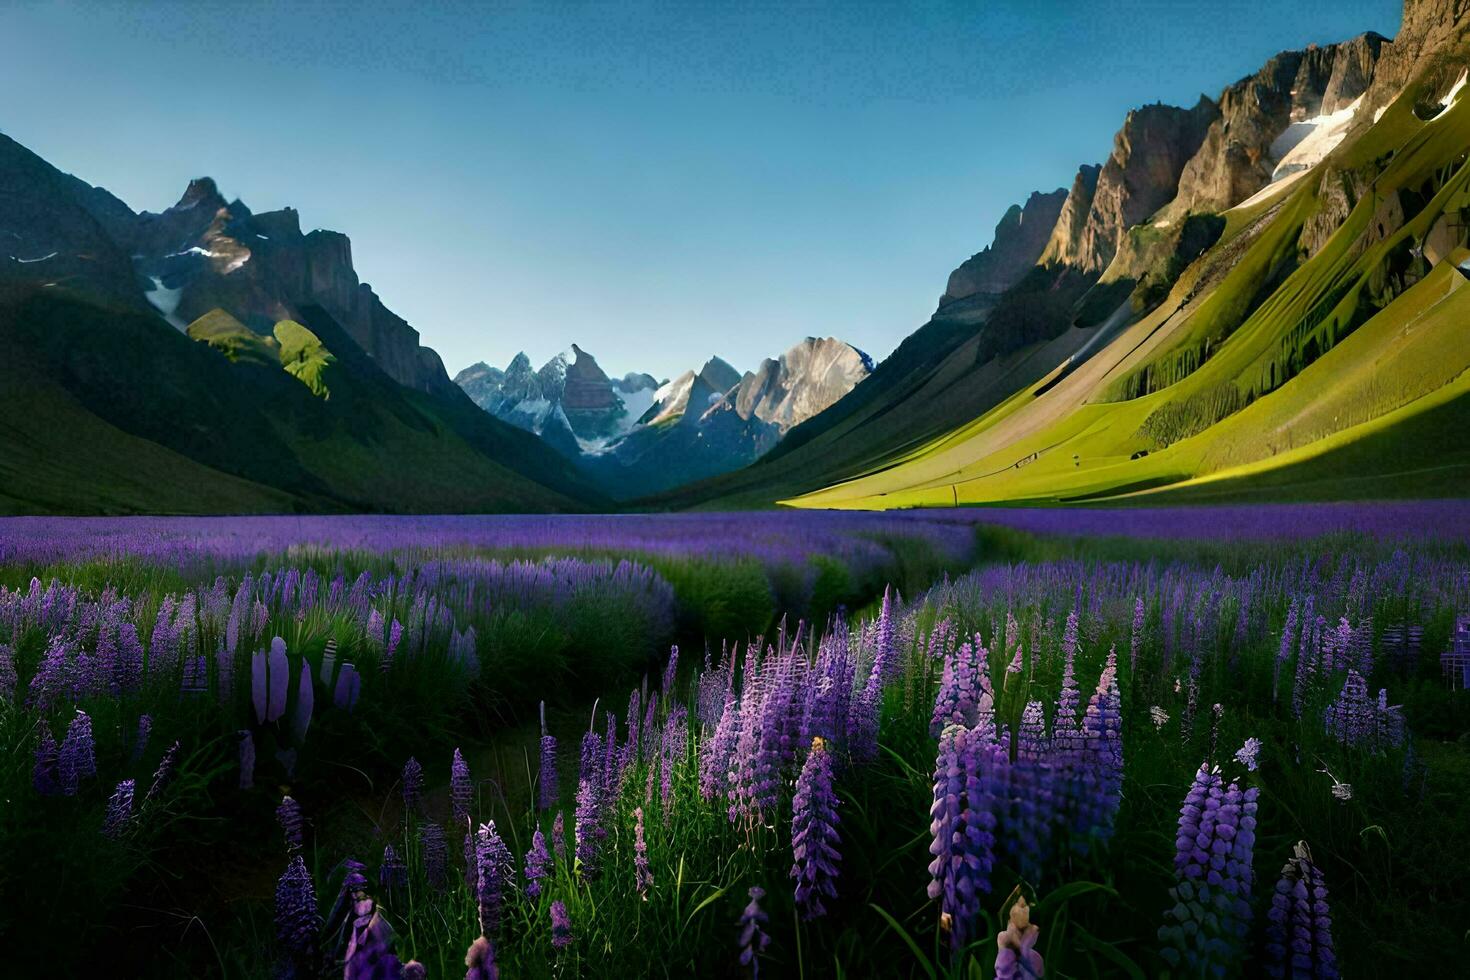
x=908, y=745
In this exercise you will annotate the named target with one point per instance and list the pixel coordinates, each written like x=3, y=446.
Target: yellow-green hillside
x=1327, y=313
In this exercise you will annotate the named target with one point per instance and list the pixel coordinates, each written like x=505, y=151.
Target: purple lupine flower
x=140, y=742
x=481, y=961
x=348, y=689
x=1283, y=653
x=436, y=855
x=675, y=741
x=714, y=759
x=753, y=938
x=968, y=770
x=1136, y=642
x=559, y=836
x=1097, y=764
x=863, y=723
x=77, y=758
x=1309, y=648
x=561, y=926
x=588, y=829
x=8, y=678
x=1205, y=928
x=585, y=829
x=642, y=877
x=393, y=872
x=611, y=767
x=886, y=665
x=1299, y=924
x=1016, y=957
x=128, y=673
x=1249, y=754
x=119, y=810
x=492, y=866
x=293, y=823
x=965, y=696
x=1350, y=718
x=671, y=670
x=632, y=716
x=163, y=775
x=296, y=916
x=395, y=636
x=413, y=786
x=1065, y=728
x=814, y=834
x=549, y=792
x=245, y=744
x=538, y=864
x=461, y=788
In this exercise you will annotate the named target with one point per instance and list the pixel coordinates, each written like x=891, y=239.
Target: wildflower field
x=960, y=744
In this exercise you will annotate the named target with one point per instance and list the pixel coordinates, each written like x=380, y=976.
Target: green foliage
x=304, y=357
x=1174, y=421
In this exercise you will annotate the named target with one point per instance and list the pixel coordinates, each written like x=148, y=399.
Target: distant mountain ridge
x=636, y=436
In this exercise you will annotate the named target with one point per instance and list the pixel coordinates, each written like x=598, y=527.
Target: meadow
x=964, y=743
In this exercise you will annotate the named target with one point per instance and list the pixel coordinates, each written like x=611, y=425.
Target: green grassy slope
x=219, y=435
x=98, y=468
x=1284, y=363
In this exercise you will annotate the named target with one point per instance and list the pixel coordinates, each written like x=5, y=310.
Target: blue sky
x=653, y=181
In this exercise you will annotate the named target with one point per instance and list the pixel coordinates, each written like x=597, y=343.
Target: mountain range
x=1261, y=296
x=207, y=358
x=636, y=436
x=1257, y=296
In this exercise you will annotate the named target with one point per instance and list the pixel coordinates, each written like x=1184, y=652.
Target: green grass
x=1281, y=359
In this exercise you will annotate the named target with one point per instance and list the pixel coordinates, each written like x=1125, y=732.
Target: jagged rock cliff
x=1244, y=145
x=812, y=375
x=1140, y=176
x=1020, y=238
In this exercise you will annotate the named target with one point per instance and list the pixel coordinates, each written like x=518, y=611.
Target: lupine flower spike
x=561, y=926
x=814, y=835
x=642, y=877
x=1299, y=923
x=753, y=938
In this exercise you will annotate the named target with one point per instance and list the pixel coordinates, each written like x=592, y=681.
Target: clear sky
x=653, y=181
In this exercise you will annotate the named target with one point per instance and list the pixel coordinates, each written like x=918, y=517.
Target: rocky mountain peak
x=201, y=191
x=1140, y=176
x=1020, y=237
x=718, y=374
x=1241, y=150
x=1073, y=216
x=810, y=376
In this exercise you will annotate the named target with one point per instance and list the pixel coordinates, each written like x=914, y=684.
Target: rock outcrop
x=1020, y=237
x=1140, y=176
x=1431, y=37
x=1241, y=149
x=812, y=375
x=205, y=253
x=1066, y=235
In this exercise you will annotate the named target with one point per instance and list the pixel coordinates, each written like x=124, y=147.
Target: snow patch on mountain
x=1303, y=145
x=166, y=302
